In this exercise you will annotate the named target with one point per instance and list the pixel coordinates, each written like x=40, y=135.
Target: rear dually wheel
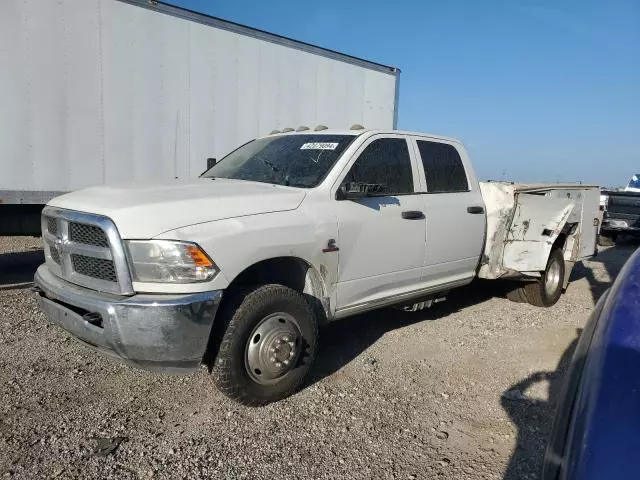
x=546, y=292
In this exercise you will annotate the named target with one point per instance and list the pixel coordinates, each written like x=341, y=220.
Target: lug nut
x=291, y=353
x=278, y=364
x=286, y=362
x=285, y=338
x=272, y=359
x=292, y=345
x=272, y=350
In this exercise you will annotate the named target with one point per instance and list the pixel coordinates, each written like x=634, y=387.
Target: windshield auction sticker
x=319, y=146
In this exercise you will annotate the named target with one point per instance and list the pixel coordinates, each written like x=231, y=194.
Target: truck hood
x=144, y=211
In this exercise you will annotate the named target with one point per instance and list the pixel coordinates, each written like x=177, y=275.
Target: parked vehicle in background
x=595, y=432
x=238, y=268
x=114, y=91
x=621, y=213
x=634, y=184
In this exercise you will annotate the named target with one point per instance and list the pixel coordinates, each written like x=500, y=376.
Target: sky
x=537, y=90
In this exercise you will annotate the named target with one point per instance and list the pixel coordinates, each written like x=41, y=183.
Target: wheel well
x=291, y=272
x=560, y=242
x=569, y=229
x=287, y=271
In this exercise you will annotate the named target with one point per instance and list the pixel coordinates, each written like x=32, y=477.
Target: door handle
x=412, y=215
x=475, y=209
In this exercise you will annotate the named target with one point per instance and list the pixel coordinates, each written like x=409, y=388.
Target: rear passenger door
x=454, y=210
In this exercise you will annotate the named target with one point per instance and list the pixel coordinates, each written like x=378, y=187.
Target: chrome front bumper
x=154, y=332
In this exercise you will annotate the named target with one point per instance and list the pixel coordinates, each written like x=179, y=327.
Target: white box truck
x=112, y=91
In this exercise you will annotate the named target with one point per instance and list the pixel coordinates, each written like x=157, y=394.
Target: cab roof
x=363, y=131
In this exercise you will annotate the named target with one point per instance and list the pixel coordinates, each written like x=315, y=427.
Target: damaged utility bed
x=524, y=221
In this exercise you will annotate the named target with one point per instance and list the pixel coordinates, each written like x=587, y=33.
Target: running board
x=416, y=307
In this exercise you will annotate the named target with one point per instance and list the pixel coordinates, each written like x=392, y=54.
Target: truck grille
x=87, y=234
x=86, y=250
x=94, y=267
x=55, y=256
x=52, y=226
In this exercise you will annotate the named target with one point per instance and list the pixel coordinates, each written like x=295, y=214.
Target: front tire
x=546, y=292
x=268, y=345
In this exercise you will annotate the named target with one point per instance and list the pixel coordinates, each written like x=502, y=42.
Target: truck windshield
x=292, y=160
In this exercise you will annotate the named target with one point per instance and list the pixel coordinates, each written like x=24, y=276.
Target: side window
x=442, y=167
x=383, y=168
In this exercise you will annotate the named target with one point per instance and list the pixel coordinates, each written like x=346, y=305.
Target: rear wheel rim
x=273, y=348
x=552, y=278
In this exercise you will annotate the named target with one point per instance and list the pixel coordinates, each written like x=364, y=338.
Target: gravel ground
x=393, y=395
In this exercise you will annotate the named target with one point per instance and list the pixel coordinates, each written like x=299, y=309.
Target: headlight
x=167, y=261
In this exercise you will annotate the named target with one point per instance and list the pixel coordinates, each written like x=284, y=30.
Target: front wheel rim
x=552, y=278
x=273, y=348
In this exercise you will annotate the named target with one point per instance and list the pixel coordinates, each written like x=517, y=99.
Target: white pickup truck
x=238, y=268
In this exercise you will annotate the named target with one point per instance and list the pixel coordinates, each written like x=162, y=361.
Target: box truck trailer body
x=114, y=91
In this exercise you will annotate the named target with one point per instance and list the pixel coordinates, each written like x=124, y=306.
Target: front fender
x=237, y=243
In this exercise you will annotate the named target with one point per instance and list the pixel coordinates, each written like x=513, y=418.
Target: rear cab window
x=443, y=168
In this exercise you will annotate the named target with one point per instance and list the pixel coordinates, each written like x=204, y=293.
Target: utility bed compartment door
x=587, y=214
x=537, y=222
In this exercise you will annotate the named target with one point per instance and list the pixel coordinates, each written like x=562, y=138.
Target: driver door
x=382, y=235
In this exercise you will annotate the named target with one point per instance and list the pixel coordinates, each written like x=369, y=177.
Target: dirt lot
x=393, y=395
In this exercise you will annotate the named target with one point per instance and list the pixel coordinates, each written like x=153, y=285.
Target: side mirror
x=356, y=195
x=344, y=194
x=211, y=162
